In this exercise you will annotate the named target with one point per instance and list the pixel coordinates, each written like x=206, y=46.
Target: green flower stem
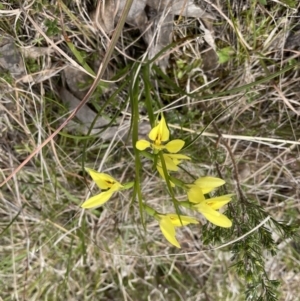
x=134, y=100
x=150, y=210
x=178, y=183
x=167, y=178
x=166, y=174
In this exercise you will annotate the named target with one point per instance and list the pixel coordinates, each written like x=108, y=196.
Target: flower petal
x=215, y=217
x=218, y=202
x=103, y=180
x=142, y=144
x=181, y=220
x=168, y=230
x=160, y=132
x=160, y=171
x=195, y=194
x=97, y=200
x=176, y=158
x=207, y=184
x=169, y=163
x=174, y=146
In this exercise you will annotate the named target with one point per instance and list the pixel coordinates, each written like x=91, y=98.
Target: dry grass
x=53, y=250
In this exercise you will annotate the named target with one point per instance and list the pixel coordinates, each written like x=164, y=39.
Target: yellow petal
x=160, y=132
x=97, y=200
x=160, y=171
x=182, y=221
x=195, y=194
x=207, y=184
x=218, y=202
x=169, y=163
x=176, y=158
x=168, y=230
x=142, y=144
x=215, y=217
x=174, y=146
x=153, y=133
x=103, y=180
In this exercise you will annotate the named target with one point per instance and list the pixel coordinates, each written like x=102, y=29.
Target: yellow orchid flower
x=159, y=134
x=204, y=185
x=168, y=224
x=208, y=207
x=172, y=161
x=104, y=182
x=207, y=184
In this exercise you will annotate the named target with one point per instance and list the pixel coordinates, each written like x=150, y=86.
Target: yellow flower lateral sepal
x=202, y=186
x=207, y=184
x=159, y=134
x=104, y=182
x=172, y=161
x=208, y=207
x=168, y=224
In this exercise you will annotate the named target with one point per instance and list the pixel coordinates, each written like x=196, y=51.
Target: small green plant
x=52, y=27
x=166, y=162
